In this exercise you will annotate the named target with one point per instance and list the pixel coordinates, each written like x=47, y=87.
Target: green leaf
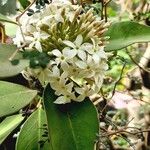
x=32, y=133
x=8, y=125
x=6, y=67
x=5, y=19
x=24, y=3
x=71, y=126
x=8, y=7
x=123, y=34
x=13, y=97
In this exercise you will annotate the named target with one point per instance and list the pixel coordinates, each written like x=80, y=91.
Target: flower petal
x=96, y=58
x=62, y=100
x=56, y=52
x=81, y=64
x=79, y=90
x=82, y=55
x=70, y=44
x=78, y=40
x=69, y=53
x=38, y=46
x=80, y=98
x=56, y=71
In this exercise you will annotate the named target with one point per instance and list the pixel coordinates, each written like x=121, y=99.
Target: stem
x=2, y=31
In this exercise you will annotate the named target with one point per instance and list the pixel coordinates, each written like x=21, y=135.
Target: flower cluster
x=73, y=40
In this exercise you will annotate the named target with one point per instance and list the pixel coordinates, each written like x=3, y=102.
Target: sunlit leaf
x=33, y=133
x=123, y=34
x=8, y=125
x=13, y=97
x=6, y=67
x=5, y=19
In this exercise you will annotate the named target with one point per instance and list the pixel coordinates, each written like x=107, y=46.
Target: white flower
x=77, y=47
x=70, y=70
x=64, y=56
x=88, y=67
x=83, y=92
x=71, y=39
x=65, y=92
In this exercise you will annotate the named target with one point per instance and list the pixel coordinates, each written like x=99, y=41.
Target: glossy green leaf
x=13, y=97
x=71, y=126
x=123, y=34
x=5, y=19
x=24, y=3
x=32, y=133
x=6, y=67
x=8, y=125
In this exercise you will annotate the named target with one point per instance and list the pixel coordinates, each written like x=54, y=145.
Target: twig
x=2, y=31
x=131, y=145
x=18, y=17
x=72, y=1
x=123, y=130
x=15, y=52
x=105, y=9
x=102, y=11
x=136, y=63
x=18, y=20
x=120, y=77
x=114, y=88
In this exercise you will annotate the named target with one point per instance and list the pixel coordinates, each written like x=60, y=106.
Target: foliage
x=123, y=34
x=73, y=118
x=37, y=127
x=13, y=67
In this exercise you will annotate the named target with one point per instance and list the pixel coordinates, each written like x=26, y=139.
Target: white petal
x=56, y=71
x=89, y=59
x=94, y=42
x=80, y=98
x=96, y=58
x=38, y=46
x=62, y=100
x=63, y=80
x=59, y=18
x=65, y=66
x=69, y=53
x=79, y=90
x=69, y=87
x=78, y=40
x=105, y=67
x=46, y=20
x=56, y=52
x=87, y=46
x=82, y=54
x=68, y=43
x=81, y=64
x=102, y=54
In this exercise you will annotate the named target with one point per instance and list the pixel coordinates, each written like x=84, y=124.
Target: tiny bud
x=60, y=41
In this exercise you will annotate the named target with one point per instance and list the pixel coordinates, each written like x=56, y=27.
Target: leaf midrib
x=72, y=130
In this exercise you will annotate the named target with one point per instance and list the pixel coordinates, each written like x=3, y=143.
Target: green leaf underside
x=13, y=97
x=6, y=67
x=32, y=131
x=8, y=125
x=71, y=126
x=5, y=19
x=125, y=33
